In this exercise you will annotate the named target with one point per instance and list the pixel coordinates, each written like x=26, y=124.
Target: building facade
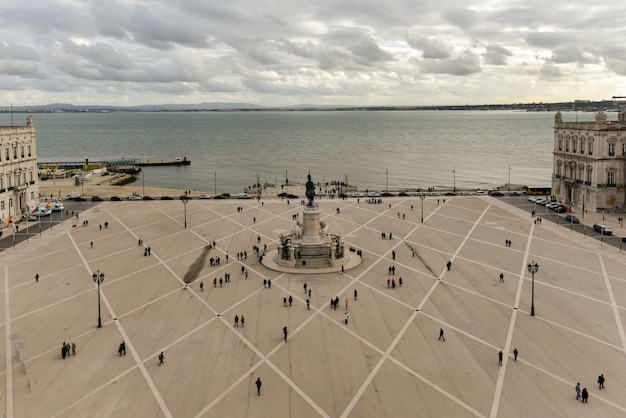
x=589, y=169
x=19, y=186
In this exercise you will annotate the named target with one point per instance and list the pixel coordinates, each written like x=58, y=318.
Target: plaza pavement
x=387, y=362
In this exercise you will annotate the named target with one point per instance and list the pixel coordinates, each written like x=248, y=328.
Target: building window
x=574, y=145
x=15, y=152
x=30, y=175
x=558, y=169
x=29, y=153
x=24, y=177
x=567, y=145
x=32, y=195
x=582, y=146
x=560, y=145
x=22, y=151
x=1, y=183
x=589, y=171
x=611, y=149
x=610, y=178
x=624, y=149
x=581, y=173
x=6, y=154
x=1, y=204
x=590, y=147
x=9, y=181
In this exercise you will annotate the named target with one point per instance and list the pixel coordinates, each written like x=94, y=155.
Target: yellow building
x=19, y=186
x=590, y=163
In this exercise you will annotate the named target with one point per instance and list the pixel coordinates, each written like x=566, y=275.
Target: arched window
x=582, y=145
x=590, y=146
x=589, y=174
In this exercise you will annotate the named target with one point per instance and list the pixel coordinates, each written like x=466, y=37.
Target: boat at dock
x=176, y=162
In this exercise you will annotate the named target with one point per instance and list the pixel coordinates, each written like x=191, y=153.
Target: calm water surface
x=229, y=149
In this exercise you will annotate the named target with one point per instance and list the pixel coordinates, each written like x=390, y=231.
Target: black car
x=497, y=194
x=292, y=196
x=572, y=219
x=148, y=198
x=96, y=199
x=80, y=199
x=387, y=194
x=561, y=209
x=222, y=196
x=185, y=197
x=342, y=196
x=450, y=194
x=403, y=194
x=115, y=199
x=166, y=198
x=282, y=194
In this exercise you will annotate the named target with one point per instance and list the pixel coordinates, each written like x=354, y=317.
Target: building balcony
x=10, y=188
x=588, y=183
x=558, y=176
x=579, y=181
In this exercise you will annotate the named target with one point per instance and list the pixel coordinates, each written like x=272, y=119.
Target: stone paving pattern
x=387, y=362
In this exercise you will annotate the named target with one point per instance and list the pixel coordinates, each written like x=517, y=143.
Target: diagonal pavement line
x=393, y=344
x=8, y=348
x=618, y=319
x=509, y=336
x=437, y=388
x=122, y=331
x=114, y=379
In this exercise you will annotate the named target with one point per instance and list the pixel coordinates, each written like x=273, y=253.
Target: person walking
x=236, y=321
x=305, y=288
x=37, y=278
x=285, y=332
x=290, y=300
x=201, y=286
x=258, y=386
x=73, y=349
x=577, y=390
x=501, y=277
x=355, y=294
x=243, y=321
x=345, y=317
x=585, y=396
x=161, y=358
x=441, y=337
x=347, y=304
x=515, y=353
x=449, y=265
x=601, y=381
x=308, y=305
x=500, y=358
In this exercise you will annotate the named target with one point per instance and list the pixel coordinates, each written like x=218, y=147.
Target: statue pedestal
x=311, y=225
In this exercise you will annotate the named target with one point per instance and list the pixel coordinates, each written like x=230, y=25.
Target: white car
x=134, y=197
x=204, y=196
x=57, y=206
x=374, y=194
x=358, y=195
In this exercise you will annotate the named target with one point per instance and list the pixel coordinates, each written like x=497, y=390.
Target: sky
x=323, y=52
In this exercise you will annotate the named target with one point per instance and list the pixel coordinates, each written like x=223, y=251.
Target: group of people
x=583, y=394
x=392, y=283
x=383, y=235
x=65, y=349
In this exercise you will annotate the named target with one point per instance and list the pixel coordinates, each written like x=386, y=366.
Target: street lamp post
x=422, y=196
x=98, y=278
x=454, y=179
x=185, y=206
x=387, y=173
x=509, y=179
x=532, y=269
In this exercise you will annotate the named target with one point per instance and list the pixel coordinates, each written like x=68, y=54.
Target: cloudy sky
x=325, y=52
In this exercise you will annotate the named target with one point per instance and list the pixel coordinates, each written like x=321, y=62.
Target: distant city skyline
x=366, y=53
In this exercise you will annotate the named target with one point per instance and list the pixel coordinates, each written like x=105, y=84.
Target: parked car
x=358, y=195
x=497, y=194
x=185, y=197
x=403, y=194
x=387, y=194
x=289, y=196
x=604, y=230
x=134, y=197
x=166, y=197
x=561, y=209
x=96, y=199
x=204, y=196
x=80, y=199
x=222, y=196
x=572, y=219
x=282, y=194
x=515, y=193
x=115, y=199
x=148, y=198
x=450, y=194
x=243, y=196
